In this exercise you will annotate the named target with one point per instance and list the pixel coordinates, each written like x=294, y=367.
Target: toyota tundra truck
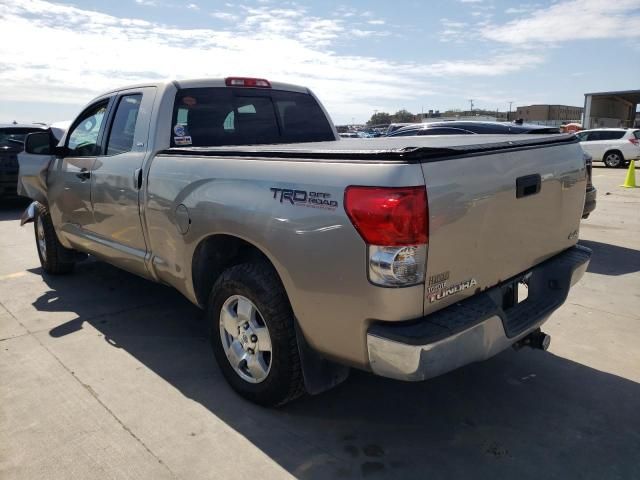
x=406, y=257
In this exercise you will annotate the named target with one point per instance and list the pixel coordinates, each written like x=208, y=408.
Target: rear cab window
x=217, y=116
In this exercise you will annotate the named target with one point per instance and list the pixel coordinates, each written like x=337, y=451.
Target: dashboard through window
x=215, y=116
x=83, y=138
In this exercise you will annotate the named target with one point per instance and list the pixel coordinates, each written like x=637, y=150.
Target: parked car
x=407, y=257
x=613, y=146
x=591, y=194
x=455, y=127
x=11, y=144
x=396, y=126
x=492, y=128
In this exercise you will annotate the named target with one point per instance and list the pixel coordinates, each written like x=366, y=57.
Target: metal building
x=610, y=109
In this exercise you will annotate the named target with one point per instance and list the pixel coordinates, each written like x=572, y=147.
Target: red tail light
x=247, y=82
x=635, y=141
x=389, y=216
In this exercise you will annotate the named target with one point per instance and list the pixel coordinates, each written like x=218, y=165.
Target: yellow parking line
x=12, y=275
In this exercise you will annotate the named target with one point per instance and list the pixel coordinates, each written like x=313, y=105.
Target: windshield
x=14, y=137
x=205, y=117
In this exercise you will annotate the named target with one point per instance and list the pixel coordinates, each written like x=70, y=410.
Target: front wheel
x=54, y=258
x=613, y=159
x=253, y=336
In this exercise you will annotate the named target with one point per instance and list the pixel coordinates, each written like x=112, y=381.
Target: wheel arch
x=217, y=252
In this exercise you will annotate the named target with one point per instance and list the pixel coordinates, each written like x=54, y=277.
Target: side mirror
x=38, y=143
x=61, y=151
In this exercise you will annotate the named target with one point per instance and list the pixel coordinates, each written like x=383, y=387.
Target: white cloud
x=376, y=22
x=93, y=52
x=571, y=20
x=494, y=65
x=193, y=6
x=147, y=3
x=518, y=10
x=224, y=16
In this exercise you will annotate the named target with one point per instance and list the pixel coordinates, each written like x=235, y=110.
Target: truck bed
x=405, y=149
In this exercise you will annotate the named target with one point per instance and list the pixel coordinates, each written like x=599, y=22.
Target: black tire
x=259, y=283
x=613, y=159
x=54, y=258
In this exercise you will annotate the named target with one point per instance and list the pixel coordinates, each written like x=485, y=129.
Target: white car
x=613, y=146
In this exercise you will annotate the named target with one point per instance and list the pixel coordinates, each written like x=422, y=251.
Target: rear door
x=610, y=140
x=592, y=144
x=117, y=178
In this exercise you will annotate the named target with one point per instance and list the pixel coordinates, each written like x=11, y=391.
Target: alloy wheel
x=245, y=339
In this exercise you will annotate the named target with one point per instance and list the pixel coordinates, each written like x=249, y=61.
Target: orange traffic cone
x=630, y=181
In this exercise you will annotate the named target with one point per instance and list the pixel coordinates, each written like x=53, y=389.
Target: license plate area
x=515, y=292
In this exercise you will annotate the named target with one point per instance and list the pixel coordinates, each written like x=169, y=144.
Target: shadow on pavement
x=528, y=414
x=11, y=208
x=610, y=259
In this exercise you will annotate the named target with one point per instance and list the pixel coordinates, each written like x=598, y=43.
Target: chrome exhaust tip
x=536, y=339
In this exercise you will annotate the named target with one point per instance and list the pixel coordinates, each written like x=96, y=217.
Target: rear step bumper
x=477, y=328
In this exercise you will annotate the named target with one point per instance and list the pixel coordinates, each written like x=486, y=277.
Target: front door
x=69, y=177
x=117, y=178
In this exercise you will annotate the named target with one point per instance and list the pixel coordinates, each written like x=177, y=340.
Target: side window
x=582, y=136
x=593, y=136
x=612, y=135
x=637, y=134
x=83, y=139
x=123, y=126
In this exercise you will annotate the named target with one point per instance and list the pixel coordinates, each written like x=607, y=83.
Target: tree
x=379, y=118
x=404, y=116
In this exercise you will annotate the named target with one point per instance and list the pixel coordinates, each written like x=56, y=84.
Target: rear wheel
x=613, y=159
x=253, y=335
x=54, y=258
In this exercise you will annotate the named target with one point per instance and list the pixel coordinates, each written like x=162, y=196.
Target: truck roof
x=203, y=83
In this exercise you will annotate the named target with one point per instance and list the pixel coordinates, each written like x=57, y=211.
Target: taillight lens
x=388, y=216
x=394, y=224
x=635, y=141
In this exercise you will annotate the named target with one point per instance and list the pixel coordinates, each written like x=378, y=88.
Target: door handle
x=84, y=174
x=137, y=178
x=528, y=185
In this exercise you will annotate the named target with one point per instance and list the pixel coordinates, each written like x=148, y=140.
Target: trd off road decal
x=304, y=198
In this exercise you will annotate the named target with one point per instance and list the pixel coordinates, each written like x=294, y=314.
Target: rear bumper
x=474, y=329
x=589, y=202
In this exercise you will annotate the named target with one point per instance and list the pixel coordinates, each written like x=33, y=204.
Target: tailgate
x=496, y=212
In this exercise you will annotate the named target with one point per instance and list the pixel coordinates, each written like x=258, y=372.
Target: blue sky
x=358, y=57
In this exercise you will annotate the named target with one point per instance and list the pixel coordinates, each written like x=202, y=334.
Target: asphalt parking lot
x=105, y=375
